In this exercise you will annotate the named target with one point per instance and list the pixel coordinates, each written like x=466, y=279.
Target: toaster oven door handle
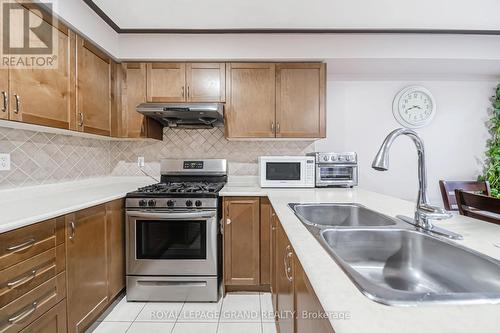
x=173, y=215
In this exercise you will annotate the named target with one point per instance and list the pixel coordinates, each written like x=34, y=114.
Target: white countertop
x=23, y=206
x=27, y=205
x=337, y=293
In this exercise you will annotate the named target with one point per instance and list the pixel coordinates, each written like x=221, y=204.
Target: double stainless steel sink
x=393, y=263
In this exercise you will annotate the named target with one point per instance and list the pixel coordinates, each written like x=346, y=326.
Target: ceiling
x=479, y=16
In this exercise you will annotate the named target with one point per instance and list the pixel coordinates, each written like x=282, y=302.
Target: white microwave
x=286, y=171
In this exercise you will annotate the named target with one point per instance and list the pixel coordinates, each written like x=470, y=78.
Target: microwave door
x=283, y=171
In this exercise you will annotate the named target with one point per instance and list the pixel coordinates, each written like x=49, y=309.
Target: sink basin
x=407, y=267
x=339, y=215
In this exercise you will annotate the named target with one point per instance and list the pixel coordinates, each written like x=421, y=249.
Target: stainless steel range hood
x=185, y=115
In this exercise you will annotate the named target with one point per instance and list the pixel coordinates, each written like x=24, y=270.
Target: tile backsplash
x=201, y=143
x=41, y=158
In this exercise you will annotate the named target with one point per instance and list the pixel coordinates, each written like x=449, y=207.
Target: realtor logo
x=28, y=40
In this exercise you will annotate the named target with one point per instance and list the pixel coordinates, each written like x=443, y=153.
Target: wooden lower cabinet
x=52, y=321
x=87, y=266
x=241, y=241
x=266, y=215
x=310, y=314
x=59, y=275
x=115, y=229
x=272, y=255
x=284, y=282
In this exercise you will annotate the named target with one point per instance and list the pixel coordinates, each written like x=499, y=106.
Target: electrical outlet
x=140, y=161
x=4, y=162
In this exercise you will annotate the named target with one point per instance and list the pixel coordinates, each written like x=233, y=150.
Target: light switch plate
x=4, y=162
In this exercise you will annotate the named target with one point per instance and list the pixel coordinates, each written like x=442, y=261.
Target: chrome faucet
x=424, y=212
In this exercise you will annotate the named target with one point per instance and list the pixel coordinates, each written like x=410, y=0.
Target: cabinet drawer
x=24, y=243
x=26, y=275
x=52, y=321
x=21, y=312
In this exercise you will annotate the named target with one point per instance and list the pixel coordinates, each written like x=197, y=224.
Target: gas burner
x=182, y=187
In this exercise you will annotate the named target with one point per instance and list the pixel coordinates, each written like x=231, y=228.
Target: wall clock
x=414, y=107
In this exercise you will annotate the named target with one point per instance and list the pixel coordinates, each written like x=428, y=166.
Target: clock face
x=414, y=107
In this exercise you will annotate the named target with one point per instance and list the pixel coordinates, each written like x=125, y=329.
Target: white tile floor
x=236, y=313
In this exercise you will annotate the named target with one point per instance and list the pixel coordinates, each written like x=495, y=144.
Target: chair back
x=478, y=206
x=448, y=190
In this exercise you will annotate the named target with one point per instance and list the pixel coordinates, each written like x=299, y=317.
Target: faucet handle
x=431, y=212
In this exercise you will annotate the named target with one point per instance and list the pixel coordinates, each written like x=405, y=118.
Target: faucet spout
x=424, y=212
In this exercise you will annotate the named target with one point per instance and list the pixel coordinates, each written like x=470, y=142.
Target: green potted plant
x=492, y=168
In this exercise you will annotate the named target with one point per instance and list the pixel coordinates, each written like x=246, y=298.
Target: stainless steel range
x=173, y=239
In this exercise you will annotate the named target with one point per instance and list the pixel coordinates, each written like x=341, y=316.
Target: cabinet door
x=300, y=100
x=4, y=93
x=43, y=96
x=133, y=93
x=250, y=97
x=284, y=281
x=241, y=241
x=306, y=301
x=93, y=89
x=166, y=82
x=273, y=263
x=265, y=241
x=116, y=247
x=206, y=82
x=86, y=266
x=52, y=321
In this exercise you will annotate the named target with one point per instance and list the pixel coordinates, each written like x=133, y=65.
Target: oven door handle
x=171, y=215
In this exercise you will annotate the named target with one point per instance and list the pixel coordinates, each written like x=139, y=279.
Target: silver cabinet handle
x=80, y=122
x=5, y=101
x=23, y=246
x=72, y=232
x=23, y=315
x=288, y=269
x=182, y=91
x=278, y=127
x=188, y=91
x=23, y=280
x=272, y=126
x=18, y=104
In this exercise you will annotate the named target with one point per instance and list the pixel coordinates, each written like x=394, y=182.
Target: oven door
x=172, y=242
x=337, y=175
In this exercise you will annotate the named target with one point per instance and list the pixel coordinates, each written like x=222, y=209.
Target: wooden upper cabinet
x=93, y=89
x=86, y=266
x=4, y=93
x=241, y=241
x=133, y=93
x=206, y=82
x=43, y=96
x=250, y=100
x=300, y=100
x=166, y=82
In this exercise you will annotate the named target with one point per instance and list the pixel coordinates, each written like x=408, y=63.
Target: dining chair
x=448, y=190
x=478, y=206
